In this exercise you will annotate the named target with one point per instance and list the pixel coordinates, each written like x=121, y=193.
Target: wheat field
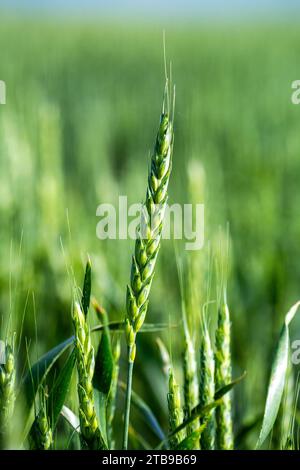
x=208, y=333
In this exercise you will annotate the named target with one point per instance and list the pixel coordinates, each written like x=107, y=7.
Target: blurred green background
x=83, y=102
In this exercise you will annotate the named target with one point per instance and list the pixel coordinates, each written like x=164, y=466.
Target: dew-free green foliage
x=76, y=131
x=279, y=371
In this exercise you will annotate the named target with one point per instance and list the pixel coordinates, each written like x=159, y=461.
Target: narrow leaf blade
x=60, y=389
x=277, y=378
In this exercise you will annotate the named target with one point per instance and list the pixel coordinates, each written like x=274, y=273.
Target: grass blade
x=192, y=440
x=277, y=378
x=146, y=412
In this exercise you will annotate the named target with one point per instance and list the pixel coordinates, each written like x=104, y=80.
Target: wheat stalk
x=224, y=433
x=111, y=400
x=7, y=391
x=207, y=387
x=147, y=247
x=90, y=432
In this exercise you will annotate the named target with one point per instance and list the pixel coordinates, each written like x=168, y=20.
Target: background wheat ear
x=90, y=432
x=191, y=383
x=175, y=410
x=190, y=367
x=7, y=390
x=148, y=243
x=207, y=386
x=224, y=432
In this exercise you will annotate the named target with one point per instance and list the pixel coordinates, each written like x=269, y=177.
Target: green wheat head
x=175, y=411
x=41, y=437
x=89, y=426
x=224, y=435
x=149, y=233
x=207, y=387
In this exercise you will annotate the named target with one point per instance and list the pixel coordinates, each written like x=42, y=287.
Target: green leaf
x=277, y=378
x=192, y=440
x=146, y=412
x=60, y=389
x=38, y=372
x=223, y=390
x=246, y=429
x=86, y=291
x=120, y=326
x=104, y=364
x=71, y=418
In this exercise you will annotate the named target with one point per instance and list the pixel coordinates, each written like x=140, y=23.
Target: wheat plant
x=147, y=245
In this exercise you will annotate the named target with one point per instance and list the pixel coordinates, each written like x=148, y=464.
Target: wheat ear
x=89, y=427
x=191, y=384
x=175, y=411
x=147, y=247
x=7, y=391
x=207, y=387
x=41, y=437
x=224, y=433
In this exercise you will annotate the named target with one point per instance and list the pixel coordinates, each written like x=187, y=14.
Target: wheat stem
x=128, y=399
x=111, y=401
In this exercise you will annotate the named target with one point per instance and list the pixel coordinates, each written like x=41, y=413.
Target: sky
x=160, y=8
